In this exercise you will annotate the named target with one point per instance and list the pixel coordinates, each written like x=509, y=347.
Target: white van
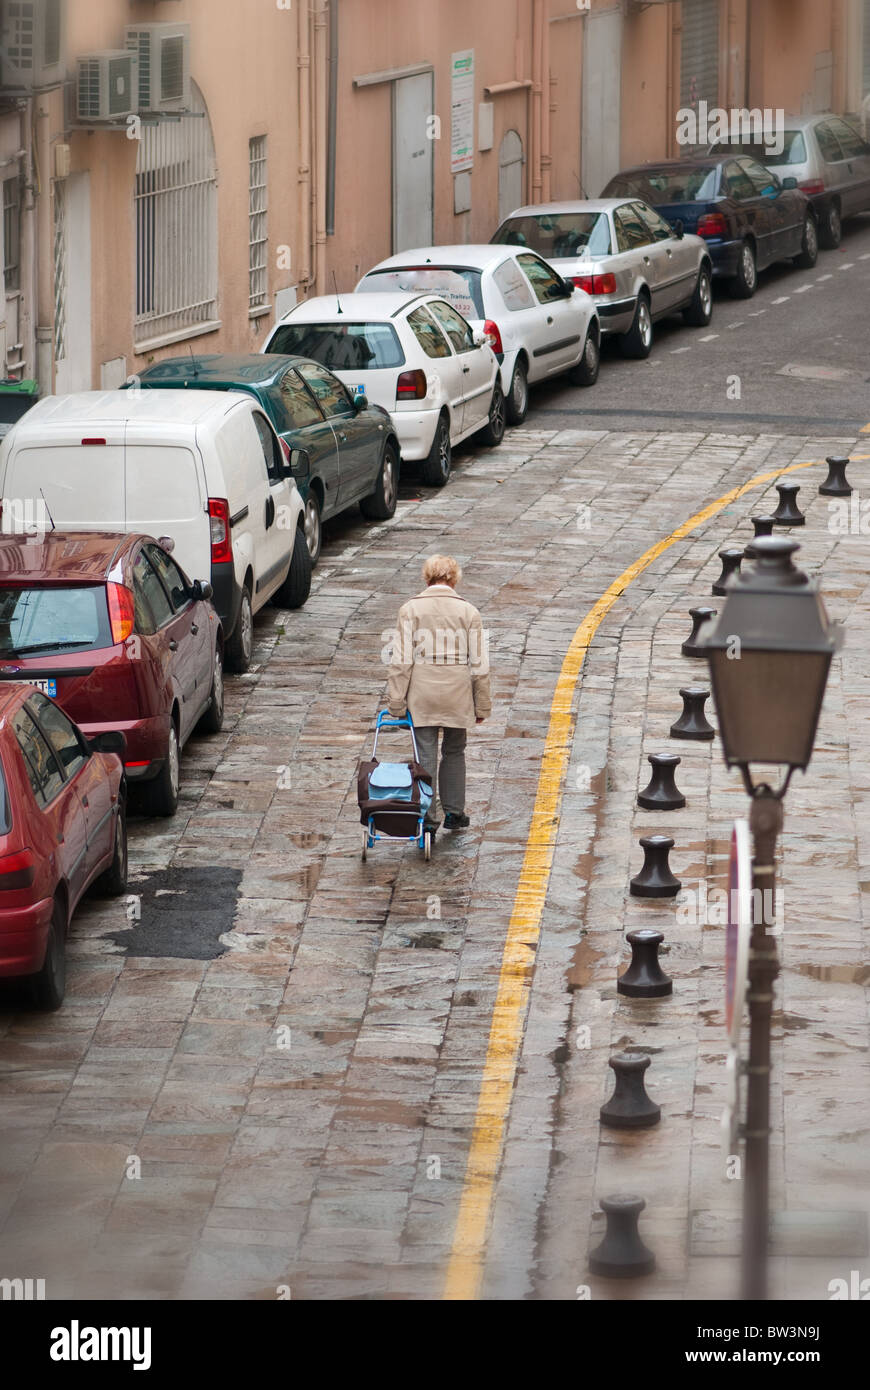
x=203, y=467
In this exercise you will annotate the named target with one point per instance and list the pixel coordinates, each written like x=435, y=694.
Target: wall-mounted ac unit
x=164, y=65
x=32, y=43
x=108, y=86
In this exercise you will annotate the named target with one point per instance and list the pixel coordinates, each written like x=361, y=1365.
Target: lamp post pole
x=765, y=823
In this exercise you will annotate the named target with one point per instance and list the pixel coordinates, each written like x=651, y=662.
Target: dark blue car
x=746, y=214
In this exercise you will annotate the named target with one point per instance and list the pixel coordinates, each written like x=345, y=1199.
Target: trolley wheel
x=365, y=845
x=427, y=846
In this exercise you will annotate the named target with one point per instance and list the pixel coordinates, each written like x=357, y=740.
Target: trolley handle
x=385, y=722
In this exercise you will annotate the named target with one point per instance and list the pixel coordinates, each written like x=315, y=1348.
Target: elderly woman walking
x=440, y=673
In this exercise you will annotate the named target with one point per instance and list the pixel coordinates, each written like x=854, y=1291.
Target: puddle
x=582, y=967
x=305, y=839
x=838, y=974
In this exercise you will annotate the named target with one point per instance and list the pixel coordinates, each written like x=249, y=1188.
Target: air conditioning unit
x=32, y=44
x=108, y=86
x=164, y=65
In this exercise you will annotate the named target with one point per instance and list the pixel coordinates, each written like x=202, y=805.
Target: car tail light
x=596, y=284
x=122, y=612
x=493, y=336
x=712, y=224
x=411, y=386
x=17, y=870
x=219, y=520
x=812, y=186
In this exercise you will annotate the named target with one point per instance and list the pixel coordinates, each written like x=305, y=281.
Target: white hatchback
x=414, y=355
x=537, y=323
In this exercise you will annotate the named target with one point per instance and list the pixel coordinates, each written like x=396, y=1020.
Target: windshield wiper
x=43, y=647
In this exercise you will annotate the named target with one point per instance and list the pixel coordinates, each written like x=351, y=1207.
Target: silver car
x=830, y=162
x=635, y=266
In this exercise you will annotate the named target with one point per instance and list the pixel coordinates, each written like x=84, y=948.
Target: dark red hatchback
x=112, y=628
x=63, y=827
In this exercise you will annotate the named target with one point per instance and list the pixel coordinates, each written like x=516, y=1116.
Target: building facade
x=177, y=172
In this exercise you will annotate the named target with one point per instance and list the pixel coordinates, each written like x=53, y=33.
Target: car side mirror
x=679, y=229
x=360, y=403
x=299, y=465
x=480, y=338
x=167, y=543
x=112, y=741
x=202, y=590
x=790, y=183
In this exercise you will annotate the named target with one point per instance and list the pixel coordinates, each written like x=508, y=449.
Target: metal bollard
x=699, y=617
x=763, y=525
x=661, y=793
x=630, y=1107
x=622, y=1254
x=693, y=723
x=836, y=483
x=788, y=513
x=655, y=879
x=731, y=559
x=644, y=978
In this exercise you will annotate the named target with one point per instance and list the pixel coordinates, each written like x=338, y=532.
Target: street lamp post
x=770, y=651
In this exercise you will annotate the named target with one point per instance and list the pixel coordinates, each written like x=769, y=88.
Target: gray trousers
x=449, y=779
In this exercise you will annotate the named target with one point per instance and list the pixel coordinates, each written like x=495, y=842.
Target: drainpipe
x=333, y=110
x=546, y=109
x=838, y=76
x=537, y=97
x=321, y=118
x=303, y=63
x=44, y=268
x=28, y=281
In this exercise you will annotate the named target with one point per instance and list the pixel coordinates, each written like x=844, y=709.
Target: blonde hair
x=441, y=569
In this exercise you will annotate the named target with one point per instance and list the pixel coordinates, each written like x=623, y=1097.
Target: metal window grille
x=11, y=235
x=60, y=271
x=258, y=278
x=866, y=65
x=176, y=226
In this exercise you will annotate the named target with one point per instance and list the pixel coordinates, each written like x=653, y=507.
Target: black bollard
x=763, y=525
x=630, y=1107
x=692, y=723
x=644, y=978
x=788, y=513
x=662, y=794
x=655, y=879
x=731, y=560
x=699, y=617
x=622, y=1254
x=836, y=483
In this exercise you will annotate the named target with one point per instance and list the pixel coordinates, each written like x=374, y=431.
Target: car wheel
x=700, y=311
x=831, y=228
x=637, y=342
x=437, y=463
x=113, y=882
x=744, y=284
x=517, y=400
x=381, y=505
x=313, y=528
x=48, y=987
x=160, y=797
x=240, y=647
x=493, y=431
x=213, y=720
x=809, y=246
x=297, y=586
x=585, y=373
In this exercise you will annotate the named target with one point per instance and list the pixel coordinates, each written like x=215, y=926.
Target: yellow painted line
x=865, y=429
x=465, y=1269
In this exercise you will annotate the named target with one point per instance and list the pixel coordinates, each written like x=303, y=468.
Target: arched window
x=510, y=174
x=176, y=227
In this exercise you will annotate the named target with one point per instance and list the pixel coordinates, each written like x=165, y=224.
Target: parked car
x=204, y=468
x=346, y=450
x=636, y=268
x=536, y=323
x=63, y=828
x=830, y=161
x=412, y=354
x=111, y=627
x=748, y=218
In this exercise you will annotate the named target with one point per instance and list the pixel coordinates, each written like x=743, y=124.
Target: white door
x=413, y=198
x=73, y=285
x=510, y=175
x=602, y=68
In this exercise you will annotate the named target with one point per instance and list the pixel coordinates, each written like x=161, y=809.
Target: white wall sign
x=462, y=111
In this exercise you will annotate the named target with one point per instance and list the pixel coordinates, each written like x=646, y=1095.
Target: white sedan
x=537, y=323
x=414, y=355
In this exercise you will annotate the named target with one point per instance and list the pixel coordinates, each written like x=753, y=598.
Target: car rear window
x=658, y=186
x=559, y=235
x=459, y=285
x=53, y=621
x=794, y=150
x=358, y=347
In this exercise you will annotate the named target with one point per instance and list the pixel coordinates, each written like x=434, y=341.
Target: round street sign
x=739, y=928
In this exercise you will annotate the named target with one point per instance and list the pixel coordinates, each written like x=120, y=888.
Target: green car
x=344, y=451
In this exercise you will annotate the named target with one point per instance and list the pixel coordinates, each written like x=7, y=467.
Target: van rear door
x=166, y=497
x=81, y=478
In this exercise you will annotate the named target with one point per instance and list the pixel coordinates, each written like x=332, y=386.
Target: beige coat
x=440, y=662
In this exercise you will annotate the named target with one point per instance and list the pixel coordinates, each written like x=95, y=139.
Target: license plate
x=47, y=687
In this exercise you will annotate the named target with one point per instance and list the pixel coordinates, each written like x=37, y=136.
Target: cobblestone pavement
x=267, y=1069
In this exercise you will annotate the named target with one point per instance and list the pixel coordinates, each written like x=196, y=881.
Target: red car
x=63, y=827
x=112, y=628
